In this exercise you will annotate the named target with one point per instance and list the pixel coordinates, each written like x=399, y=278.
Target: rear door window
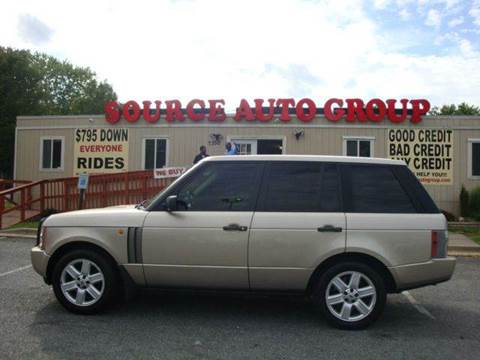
x=301, y=187
x=375, y=189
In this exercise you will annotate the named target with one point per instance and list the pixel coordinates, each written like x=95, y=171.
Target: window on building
x=474, y=163
x=51, y=153
x=375, y=189
x=302, y=187
x=360, y=147
x=155, y=154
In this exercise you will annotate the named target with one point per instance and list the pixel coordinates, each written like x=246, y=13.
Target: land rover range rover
x=343, y=231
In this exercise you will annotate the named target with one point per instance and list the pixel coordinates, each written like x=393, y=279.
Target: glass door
x=245, y=147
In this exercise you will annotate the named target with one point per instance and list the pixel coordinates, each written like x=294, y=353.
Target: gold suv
x=343, y=231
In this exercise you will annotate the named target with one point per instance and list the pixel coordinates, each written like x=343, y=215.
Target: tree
x=461, y=109
x=39, y=84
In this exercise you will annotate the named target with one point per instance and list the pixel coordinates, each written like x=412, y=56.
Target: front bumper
x=39, y=260
x=428, y=273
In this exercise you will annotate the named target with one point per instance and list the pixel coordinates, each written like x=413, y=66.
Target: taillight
x=439, y=243
x=434, y=243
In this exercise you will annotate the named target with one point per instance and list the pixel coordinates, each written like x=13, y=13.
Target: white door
x=245, y=147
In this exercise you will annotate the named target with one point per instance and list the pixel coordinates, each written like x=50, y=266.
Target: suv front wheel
x=84, y=281
x=351, y=295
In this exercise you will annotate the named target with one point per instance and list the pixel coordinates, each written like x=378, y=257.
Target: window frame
x=167, y=149
x=371, y=139
x=470, y=142
x=62, y=155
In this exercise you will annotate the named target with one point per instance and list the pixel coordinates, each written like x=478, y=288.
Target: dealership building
x=442, y=151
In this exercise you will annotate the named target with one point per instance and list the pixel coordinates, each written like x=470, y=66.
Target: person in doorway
x=231, y=149
x=201, y=155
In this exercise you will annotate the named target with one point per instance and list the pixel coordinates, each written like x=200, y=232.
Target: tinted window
x=364, y=147
x=155, y=153
x=375, y=189
x=57, y=154
x=302, y=187
x=476, y=159
x=221, y=187
x=47, y=154
x=352, y=148
x=357, y=147
x=52, y=154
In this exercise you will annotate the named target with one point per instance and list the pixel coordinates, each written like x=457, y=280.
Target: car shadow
x=183, y=321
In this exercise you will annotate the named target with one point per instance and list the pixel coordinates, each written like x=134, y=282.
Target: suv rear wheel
x=84, y=281
x=350, y=295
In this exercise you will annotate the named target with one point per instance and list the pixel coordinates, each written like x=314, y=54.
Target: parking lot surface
x=437, y=322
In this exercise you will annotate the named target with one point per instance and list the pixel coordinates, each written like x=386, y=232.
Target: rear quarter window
x=371, y=188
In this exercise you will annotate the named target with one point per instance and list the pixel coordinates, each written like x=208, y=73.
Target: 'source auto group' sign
x=352, y=110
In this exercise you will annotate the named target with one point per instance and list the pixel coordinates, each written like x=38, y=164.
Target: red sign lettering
x=375, y=110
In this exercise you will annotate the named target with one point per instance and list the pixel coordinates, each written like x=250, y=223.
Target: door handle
x=329, y=228
x=234, y=227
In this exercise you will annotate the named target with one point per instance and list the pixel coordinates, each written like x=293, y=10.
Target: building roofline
x=101, y=116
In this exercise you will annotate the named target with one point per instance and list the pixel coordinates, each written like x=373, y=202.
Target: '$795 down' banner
x=100, y=151
x=427, y=152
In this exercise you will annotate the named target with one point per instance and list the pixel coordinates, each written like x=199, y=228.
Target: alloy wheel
x=350, y=296
x=82, y=282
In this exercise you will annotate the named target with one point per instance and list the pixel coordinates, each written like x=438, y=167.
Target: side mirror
x=171, y=203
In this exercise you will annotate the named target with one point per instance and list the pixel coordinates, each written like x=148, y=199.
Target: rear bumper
x=428, y=273
x=39, y=260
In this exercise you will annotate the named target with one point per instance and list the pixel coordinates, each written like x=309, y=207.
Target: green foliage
x=461, y=109
x=474, y=203
x=39, y=84
x=464, y=199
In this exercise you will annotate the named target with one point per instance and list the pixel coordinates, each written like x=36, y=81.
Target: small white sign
x=170, y=172
x=82, y=181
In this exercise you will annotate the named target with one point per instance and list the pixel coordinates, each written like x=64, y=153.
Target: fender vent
x=134, y=245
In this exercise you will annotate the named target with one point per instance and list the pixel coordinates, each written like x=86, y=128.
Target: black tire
x=108, y=289
x=376, y=302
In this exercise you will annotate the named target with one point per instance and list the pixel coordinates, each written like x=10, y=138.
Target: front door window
x=221, y=187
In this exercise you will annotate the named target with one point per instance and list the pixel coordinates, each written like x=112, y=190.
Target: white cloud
x=218, y=49
x=475, y=12
x=467, y=50
x=381, y=4
x=456, y=21
x=433, y=18
x=33, y=30
x=404, y=14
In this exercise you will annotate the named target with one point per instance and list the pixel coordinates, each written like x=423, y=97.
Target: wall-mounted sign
x=170, y=172
x=356, y=110
x=82, y=181
x=215, y=139
x=100, y=151
x=427, y=152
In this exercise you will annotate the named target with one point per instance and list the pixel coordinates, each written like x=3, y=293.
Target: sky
x=207, y=49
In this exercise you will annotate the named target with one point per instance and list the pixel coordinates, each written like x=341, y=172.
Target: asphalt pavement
x=437, y=322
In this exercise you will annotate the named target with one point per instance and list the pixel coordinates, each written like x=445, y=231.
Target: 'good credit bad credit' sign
x=100, y=151
x=427, y=152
